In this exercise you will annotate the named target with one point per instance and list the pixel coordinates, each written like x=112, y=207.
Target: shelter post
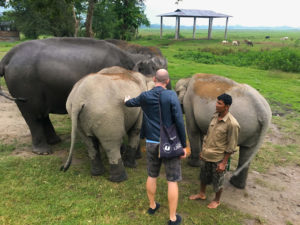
x=194, y=27
x=161, y=27
x=177, y=27
x=210, y=27
x=225, y=36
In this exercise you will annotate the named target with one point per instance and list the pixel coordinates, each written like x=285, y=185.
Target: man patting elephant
x=96, y=108
x=218, y=144
x=155, y=102
x=43, y=72
x=251, y=110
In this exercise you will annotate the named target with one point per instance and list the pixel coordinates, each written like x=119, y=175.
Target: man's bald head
x=162, y=76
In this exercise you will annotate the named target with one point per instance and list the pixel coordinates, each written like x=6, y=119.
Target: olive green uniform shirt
x=221, y=138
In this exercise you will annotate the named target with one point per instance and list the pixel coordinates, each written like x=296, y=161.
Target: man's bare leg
x=173, y=199
x=216, y=202
x=201, y=194
x=151, y=190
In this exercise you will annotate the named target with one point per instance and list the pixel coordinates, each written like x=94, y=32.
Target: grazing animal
x=248, y=42
x=267, y=37
x=236, y=43
x=224, y=42
x=198, y=95
x=284, y=38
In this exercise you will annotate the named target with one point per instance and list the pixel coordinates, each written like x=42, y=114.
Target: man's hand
x=183, y=156
x=126, y=98
x=221, y=167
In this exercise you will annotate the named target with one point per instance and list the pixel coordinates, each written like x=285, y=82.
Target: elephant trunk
x=75, y=111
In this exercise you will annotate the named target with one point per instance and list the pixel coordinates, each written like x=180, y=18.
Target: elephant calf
x=96, y=107
x=198, y=95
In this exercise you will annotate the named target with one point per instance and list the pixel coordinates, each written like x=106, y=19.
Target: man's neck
x=160, y=85
x=222, y=115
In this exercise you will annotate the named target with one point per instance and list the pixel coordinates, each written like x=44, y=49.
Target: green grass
x=34, y=191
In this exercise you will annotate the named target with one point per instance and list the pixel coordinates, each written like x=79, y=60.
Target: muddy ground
x=275, y=201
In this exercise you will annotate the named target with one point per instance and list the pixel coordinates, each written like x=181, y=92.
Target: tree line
x=118, y=19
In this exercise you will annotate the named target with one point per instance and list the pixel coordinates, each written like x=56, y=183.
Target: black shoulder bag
x=170, y=144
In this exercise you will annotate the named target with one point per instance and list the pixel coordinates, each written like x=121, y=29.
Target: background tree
x=36, y=17
x=119, y=19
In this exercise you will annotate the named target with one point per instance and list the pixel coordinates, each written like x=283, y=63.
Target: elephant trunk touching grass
x=198, y=95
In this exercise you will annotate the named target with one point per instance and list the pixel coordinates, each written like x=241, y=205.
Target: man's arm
x=232, y=137
x=134, y=102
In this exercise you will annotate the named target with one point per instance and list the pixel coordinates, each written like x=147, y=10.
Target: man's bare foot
x=197, y=196
x=213, y=205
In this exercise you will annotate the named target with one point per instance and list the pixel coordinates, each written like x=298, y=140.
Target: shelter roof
x=194, y=13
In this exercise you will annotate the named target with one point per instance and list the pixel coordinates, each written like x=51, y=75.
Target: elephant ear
x=149, y=66
x=181, y=87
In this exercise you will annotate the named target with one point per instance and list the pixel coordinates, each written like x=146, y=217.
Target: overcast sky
x=246, y=13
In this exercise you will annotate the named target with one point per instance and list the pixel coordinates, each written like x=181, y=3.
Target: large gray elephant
x=96, y=107
x=41, y=73
x=198, y=95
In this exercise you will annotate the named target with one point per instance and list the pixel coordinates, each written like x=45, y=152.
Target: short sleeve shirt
x=221, y=138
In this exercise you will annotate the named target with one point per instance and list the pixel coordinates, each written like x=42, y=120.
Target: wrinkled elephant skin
x=96, y=106
x=198, y=95
x=43, y=72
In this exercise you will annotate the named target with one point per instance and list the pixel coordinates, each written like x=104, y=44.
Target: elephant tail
x=265, y=122
x=75, y=111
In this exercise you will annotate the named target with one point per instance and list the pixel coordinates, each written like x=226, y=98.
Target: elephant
x=41, y=73
x=198, y=96
x=97, y=110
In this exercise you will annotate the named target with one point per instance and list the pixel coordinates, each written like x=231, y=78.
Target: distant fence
x=9, y=36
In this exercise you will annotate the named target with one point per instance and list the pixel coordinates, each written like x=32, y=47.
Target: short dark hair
x=225, y=98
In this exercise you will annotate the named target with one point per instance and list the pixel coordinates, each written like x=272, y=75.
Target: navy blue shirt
x=170, y=110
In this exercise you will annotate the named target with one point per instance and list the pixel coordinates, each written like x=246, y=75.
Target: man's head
x=161, y=76
x=223, y=103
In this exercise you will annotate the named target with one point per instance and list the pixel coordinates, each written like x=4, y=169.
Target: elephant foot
x=129, y=158
x=117, y=172
x=234, y=180
x=194, y=162
x=97, y=170
x=42, y=150
x=53, y=140
x=138, y=153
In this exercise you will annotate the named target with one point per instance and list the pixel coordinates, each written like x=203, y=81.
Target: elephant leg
x=50, y=134
x=39, y=140
x=117, y=169
x=239, y=181
x=195, y=141
x=133, y=143
x=97, y=167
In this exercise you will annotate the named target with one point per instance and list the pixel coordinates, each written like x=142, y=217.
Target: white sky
x=271, y=13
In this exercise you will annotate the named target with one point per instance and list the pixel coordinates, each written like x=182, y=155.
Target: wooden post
x=210, y=27
x=176, y=28
x=161, y=27
x=194, y=27
x=225, y=36
x=178, y=35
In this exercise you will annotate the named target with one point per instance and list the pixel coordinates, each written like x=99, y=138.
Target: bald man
x=171, y=113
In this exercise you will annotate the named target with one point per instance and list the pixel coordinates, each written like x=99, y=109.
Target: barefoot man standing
x=218, y=144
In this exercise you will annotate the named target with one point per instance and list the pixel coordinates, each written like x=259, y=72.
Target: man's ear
x=168, y=81
x=154, y=79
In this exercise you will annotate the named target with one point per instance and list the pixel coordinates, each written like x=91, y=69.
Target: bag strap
x=160, y=115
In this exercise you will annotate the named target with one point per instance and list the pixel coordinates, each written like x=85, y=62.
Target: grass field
x=33, y=191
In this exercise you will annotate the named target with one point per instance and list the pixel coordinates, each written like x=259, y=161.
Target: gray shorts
x=172, y=166
x=209, y=175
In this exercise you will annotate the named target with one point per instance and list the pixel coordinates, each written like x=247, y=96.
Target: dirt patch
x=272, y=197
